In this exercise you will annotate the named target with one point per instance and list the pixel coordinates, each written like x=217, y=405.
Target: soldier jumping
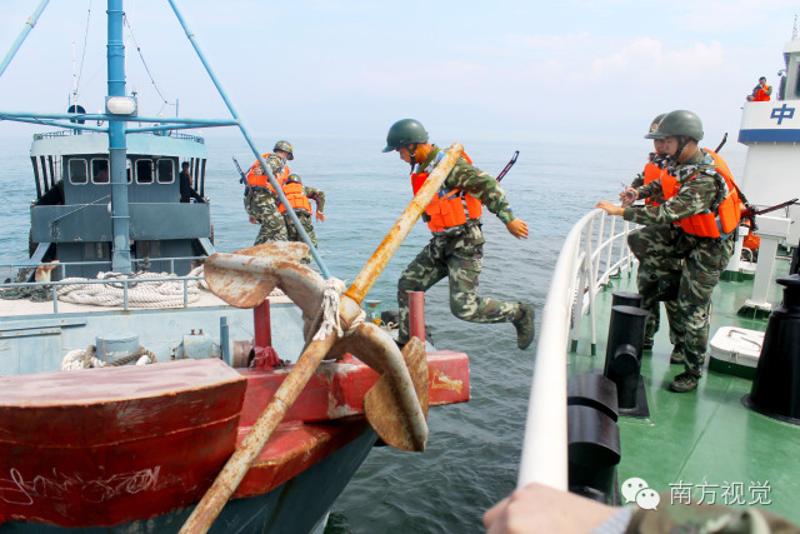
x=456, y=248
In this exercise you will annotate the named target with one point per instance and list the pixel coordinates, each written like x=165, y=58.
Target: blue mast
x=117, y=147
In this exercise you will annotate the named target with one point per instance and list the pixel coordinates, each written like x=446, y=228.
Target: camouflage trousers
x=638, y=241
x=660, y=248
x=305, y=220
x=457, y=257
x=261, y=205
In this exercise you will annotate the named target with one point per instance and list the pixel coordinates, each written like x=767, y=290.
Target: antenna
x=794, y=29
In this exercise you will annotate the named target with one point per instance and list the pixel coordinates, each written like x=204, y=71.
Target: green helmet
x=293, y=178
x=654, y=124
x=286, y=146
x=405, y=132
x=678, y=123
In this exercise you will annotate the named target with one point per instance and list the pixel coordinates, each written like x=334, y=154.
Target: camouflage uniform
x=457, y=252
x=638, y=240
x=662, y=244
x=261, y=203
x=318, y=196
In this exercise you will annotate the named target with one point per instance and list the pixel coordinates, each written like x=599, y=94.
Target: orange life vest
x=669, y=184
x=762, y=94
x=728, y=213
x=257, y=178
x=751, y=241
x=296, y=196
x=450, y=207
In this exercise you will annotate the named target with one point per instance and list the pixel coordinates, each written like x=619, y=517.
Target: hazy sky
x=575, y=70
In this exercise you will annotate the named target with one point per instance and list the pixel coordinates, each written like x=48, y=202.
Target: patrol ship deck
x=705, y=442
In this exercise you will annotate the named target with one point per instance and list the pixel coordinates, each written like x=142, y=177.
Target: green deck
x=706, y=440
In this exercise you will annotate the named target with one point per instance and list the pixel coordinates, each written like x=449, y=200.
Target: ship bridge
x=71, y=217
x=771, y=131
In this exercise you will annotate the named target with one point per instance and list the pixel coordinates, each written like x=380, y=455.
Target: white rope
x=142, y=291
x=86, y=359
x=330, y=310
x=331, y=322
x=81, y=359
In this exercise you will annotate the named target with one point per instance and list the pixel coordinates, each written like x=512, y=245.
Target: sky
x=571, y=71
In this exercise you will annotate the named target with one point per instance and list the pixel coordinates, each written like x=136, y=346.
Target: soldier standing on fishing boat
x=261, y=200
x=654, y=170
x=697, y=223
x=456, y=248
x=299, y=197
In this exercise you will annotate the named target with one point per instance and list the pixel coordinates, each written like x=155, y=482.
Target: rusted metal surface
x=338, y=388
x=381, y=402
x=402, y=226
x=416, y=315
x=246, y=278
x=407, y=429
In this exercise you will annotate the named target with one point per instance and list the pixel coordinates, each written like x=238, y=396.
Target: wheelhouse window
x=129, y=170
x=78, y=171
x=100, y=171
x=166, y=171
x=144, y=171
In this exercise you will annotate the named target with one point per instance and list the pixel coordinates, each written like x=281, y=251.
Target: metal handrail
x=62, y=266
x=585, y=265
x=125, y=282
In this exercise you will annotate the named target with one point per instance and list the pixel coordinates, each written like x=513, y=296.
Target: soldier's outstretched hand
x=518, y=228
x=608, y=207
x=320, y=216
x=628, y=196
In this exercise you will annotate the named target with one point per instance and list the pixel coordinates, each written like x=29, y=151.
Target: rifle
x=722, y=143
x=752, y=212
x=508, y=166
x=242, y=176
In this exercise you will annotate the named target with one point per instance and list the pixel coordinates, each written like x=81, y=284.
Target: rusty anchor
x=396, y=406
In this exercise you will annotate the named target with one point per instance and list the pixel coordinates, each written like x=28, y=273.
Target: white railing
x=594, y=251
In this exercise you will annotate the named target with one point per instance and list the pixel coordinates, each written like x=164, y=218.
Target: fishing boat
x=150, y=383
x=601, y=421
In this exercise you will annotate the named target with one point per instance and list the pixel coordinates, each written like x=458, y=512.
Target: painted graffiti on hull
x=16, y=489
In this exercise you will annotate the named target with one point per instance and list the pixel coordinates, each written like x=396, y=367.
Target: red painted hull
x=107, y=446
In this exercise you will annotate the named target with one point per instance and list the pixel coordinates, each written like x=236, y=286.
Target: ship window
x=100, y=171
x=129, y=170
x=78, y=171
x=144, y=171
x=166, y=171
x=797, y=83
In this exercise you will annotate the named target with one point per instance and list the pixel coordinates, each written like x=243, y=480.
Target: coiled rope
x=87, y=359
x=143, y=291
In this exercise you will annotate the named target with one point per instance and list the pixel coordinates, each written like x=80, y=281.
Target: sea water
x=474, y=448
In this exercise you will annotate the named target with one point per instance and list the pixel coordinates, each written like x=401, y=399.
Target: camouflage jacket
x=317, y=195
x=475, y=182
x=275, y=163
x=699, y=193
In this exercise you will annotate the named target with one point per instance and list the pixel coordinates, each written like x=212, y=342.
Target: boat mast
x=117, y=147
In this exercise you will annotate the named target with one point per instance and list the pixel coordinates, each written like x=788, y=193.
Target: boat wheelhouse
x=71, y=220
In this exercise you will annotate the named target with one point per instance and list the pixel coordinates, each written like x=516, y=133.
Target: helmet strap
x=412, y=152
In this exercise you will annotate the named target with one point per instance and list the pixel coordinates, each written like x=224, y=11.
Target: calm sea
x=474, y=448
